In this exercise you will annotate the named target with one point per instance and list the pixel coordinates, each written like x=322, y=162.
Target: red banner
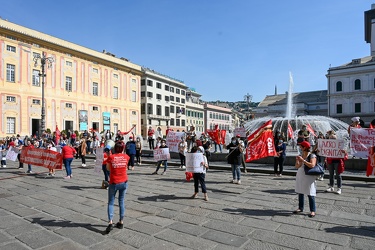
x=371, y=162
x=310, y=129
x=41, y=157
x=290, y=131
x=260, y=143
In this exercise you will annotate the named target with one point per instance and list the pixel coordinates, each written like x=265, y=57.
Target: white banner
x=99, y=160
x=331, y=148
x=12, y=154
x=240, y=131
x=173, y=139
x=161, y=154
x=194, y=162
x=361, y=139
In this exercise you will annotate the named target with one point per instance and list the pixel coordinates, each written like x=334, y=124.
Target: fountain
x=318, y=123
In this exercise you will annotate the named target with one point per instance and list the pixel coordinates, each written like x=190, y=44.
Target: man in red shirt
x=151, y=137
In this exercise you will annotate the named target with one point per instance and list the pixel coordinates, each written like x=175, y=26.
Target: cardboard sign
x=161, y=154
x=12, y=154
x=173, y=139
x=331, y=148
x=361, y=139
x=240, y=131
x=193, y=162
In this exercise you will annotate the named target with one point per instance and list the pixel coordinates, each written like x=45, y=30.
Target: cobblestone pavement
x=40, y=212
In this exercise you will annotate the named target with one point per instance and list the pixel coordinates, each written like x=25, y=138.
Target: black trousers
x=199, y=178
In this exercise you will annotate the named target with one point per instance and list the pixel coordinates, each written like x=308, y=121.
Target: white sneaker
x=239, y=182
x=234, y=181
x=338, y=191
x=330, y=189
x=4, y=166
x=183, y=167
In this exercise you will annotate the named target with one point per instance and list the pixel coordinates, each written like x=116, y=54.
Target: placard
x=173, y=139
x=12, y=154
x=161, y=154
x=331, y=148
x=361, y=139
x=194, y=162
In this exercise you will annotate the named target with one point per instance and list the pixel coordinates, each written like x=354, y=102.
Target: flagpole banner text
x=173, y=139
x=12, y=154
x=194, y=162
x=41, y=157
x=331, y=148
x=161, y=154
x=361, y=139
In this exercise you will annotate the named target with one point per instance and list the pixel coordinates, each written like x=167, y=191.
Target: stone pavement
x=40, y=212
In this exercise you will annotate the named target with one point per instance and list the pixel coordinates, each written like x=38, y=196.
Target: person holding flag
x=235, y=159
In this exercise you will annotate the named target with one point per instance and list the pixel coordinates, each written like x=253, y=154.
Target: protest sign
x=41, y=157
x=12, y=154
x=193, y=162
x=161, y=154
x=331, y=148
x=173, y=138
x=361, y=139
x=99, y=160
x=240, y=131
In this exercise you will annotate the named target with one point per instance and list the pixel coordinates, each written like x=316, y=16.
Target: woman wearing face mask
x=234, y=159
x=162, y=162
x=138, y=151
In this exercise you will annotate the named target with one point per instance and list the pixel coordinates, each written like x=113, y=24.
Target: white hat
x=355, y=119
x=201, y=149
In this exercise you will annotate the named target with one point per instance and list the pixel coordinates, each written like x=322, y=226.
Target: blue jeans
x=219, y=147
x=29, y=167
x=236, y=171
x=112, y=190
x=301, y=202
x=160, y=163
x=67, y=162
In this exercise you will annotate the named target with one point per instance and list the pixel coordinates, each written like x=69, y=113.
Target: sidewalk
x=40, y=212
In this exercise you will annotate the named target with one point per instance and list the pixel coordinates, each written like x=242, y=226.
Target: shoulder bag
x=316, y=170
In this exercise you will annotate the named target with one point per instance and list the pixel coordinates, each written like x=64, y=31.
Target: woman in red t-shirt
x=117, y=164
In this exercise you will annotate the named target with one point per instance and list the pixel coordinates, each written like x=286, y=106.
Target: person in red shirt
x=68, y=153
x=107, y=153
x=151, y=138
x=117, y=165
x=30, y=145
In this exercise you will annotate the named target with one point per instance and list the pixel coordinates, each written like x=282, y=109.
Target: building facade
x=83, y=88
x=215, y=115
x=163, y=102
x=195, y=114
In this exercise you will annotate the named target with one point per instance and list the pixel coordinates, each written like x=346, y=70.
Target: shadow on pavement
x=222, y=191
x=56, y=223
x=258, y=212
x=162, y=197
x=81, y=188
x=280, y=191
x=361, y=230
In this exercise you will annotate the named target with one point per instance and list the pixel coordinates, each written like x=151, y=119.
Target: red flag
x=371, y=162
x=125, y=133
x=310, y=129
x=290, y=131
x=261, y=143
x=223, y=133
x=216, y=135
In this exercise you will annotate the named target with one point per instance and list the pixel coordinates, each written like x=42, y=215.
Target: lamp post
x=43, y=61
x=248, y=99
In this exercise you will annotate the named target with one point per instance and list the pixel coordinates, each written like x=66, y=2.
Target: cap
x=238, y=136
x=305, y=144
x=355, y=119
x=201, y=149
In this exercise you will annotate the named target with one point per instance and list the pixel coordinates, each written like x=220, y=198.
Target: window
x=69, y=64
x=36, y=77
x=36, y=102
x=11, y=72
x=134, y=96
x=166, y=87
x=149, y=109
x=338, y=86
x=115, y=76
x=172, y=122
x=182, y=100
x=149, y=83
x=357, y=84
x=11, y=98
x=95, y=108
x=134, y=112
x=95, y=70
x=166, y=98
x=177, y=99
x=158, y=85
x=183, y=123
x=177, y=91
x=158, y=96
x=68, y=84
x=172, y=109
x=95, y=88
x=115, y=92
x=11, y=125
x=134, y=80
x=11, y=48
x=357, y=107
x=177, y=122
x=158, y=109
x=143, y=108
x=143, y=82
x=68, y=105
x=339, y=108
x=171, y=98
x=171, y=89
x=143, y=93
x=182, y=92
x=166, y=111
x=149, y=94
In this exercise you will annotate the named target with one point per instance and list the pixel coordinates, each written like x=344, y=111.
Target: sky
x=224, y=49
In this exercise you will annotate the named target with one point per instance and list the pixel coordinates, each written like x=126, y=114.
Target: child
x=107, y=153
x=200, y=177
x=161, y=162
x=3, y=151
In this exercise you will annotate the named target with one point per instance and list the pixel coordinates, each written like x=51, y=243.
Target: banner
x=173, y=139
x=106, y=120
x=310, y=129
x=361, y=139
x=161, y=154
x=41, y=157
x=371, y=162
x=12, y=154
x=240, y=131
x=82, y=119
x=260, y=143
x=331, y=148
x=193, y=162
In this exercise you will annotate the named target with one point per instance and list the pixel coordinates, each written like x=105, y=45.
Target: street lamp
x=43, y=61
x=248, y=99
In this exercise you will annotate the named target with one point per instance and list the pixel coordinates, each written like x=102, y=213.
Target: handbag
x=318, y=169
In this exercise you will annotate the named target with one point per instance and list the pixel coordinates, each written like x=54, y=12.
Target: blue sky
x=222, y=48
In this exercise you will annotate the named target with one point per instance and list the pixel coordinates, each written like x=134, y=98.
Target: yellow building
x=83, y=88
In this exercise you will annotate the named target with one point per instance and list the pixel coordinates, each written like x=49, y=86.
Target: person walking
x=279, y=158
x=199, y=177
x=117, y=165
x=68, y=154
x=305, y=184
x=162, y=162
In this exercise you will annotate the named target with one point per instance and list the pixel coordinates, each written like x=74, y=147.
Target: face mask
x=233, y=141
